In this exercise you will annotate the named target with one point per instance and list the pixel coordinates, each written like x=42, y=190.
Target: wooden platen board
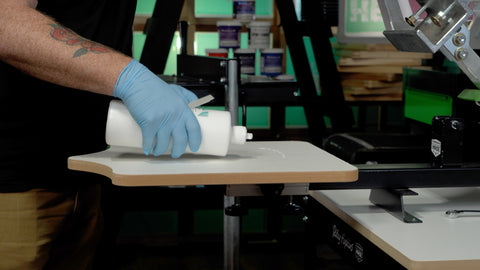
x=251, y=163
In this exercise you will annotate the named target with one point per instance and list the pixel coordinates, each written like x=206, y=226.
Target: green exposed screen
x=423, y=106
x=363, y=16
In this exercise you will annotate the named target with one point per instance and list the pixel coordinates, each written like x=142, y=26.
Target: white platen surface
x=253, y=162
x=438, y=243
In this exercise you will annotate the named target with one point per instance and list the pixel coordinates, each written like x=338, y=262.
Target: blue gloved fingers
x=179, y=141
x=148, y=139
x=194, y=133
x=187, y=94
x=163, y=140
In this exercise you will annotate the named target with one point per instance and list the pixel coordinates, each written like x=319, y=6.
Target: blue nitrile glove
x=188, y=95
x=161, y=110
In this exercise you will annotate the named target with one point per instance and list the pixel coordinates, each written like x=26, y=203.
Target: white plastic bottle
x=216, y=128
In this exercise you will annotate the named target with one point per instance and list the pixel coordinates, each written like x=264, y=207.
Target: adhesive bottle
x=217, y=131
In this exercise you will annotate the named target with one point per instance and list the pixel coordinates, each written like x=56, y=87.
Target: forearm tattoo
x=70, y=38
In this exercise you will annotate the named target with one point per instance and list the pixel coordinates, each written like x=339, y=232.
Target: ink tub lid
x=220, y=51
x=244, y=51
x=285, y=77
x=229, y=23
x=259, y=24
x=272, y=50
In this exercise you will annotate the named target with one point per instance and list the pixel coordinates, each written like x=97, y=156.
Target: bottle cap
x=240, y=135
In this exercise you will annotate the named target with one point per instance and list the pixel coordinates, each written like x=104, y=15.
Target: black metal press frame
x=331, y=101
x=389, y=183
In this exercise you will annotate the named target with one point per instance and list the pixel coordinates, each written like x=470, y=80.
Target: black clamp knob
x=236, y=209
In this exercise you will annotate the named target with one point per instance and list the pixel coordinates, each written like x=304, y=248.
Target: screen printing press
x=440, y=228
x=306, y=169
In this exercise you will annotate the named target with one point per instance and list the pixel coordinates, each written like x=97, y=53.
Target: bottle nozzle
x=240, y=135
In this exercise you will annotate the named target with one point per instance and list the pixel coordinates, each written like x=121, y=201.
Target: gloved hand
x=188, y=95
x=161, y=110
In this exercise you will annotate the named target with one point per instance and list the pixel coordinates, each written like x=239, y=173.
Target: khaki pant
x=43, y=229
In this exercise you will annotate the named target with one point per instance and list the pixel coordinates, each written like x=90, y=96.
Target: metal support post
x=231, y=90
x=231, y=224
x=231, y=235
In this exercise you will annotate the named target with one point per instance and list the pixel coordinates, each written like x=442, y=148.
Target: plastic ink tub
x=246, y=59
x=229, y=34
x=271, y=62
x=259, y=34
x=244, y=10
x=217, y=52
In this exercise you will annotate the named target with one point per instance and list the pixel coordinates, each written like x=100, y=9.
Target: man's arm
x=40, y=47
